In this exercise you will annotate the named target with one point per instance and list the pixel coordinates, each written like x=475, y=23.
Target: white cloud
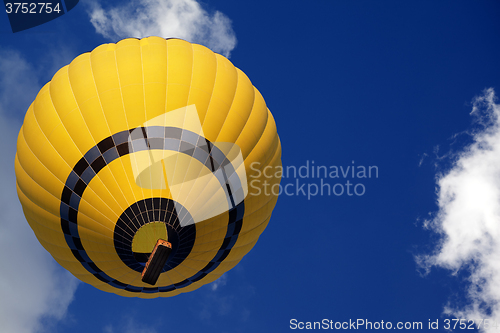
x=221, y=299
x=18, y=84
x=468, y=218
x=33, y=287
x=219, y=282
x=185, y=19
x=129, y=325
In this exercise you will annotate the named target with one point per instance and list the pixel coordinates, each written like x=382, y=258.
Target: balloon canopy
x=147, y=141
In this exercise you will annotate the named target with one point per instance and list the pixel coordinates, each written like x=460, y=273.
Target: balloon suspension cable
x=156, y=261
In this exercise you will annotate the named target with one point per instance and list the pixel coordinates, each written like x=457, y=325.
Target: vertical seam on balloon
x=250, y=128
x=125, y=112
x=48, y=141
x=125, y=117
x=232, y=102
x=213, y=87
x=187, y=100
x=126, y=121
x=145, y=112
x=77, y=105
x=28, y=194
x=273, y=145
x=19, y=189
x=201, y=127
x=62, y=123
x=275, y=138
x=109, y=131
x=145, y=117
x=176, y=157
x=234, y=93
x=249, y=113
x=166, y=92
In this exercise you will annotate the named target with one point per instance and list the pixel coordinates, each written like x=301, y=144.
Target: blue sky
x=401, y=86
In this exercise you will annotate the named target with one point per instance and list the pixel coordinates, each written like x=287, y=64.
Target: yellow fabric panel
x=43, y=110
x=107, y=82
x=239, y=252
x=44, y=225
x=75, y=268
x=250, y=235
x=126, y=275
x=92, y=280
x=128, y=61
x=186, y=269
x=226, y=80
x=257, y=217
x=118, y=177
x=189, y=288
x=65, y=104
x=207, y=241
x=179, y=69
x=127, y=183
x=94, y=217
x=203, y=79
x=37, y=171
x=74, y=122
x=32, y=137
x=103, y=254
x=85, y=93
x=211, y=225
x=171, y=277
x=240, y=110
x=55, y=169
x=32, y=190
x=254, y=126
x=108, y=190
x=233, y=259
x=145, y=238
x=154, y=67
x=255, y=199
x=267, y=145
x=63, y=144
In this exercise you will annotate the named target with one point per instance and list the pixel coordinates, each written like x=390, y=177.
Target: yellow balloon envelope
x=141, y=141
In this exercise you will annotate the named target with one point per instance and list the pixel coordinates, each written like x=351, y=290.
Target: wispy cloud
x=32, y=286
x=184, y=19
x=219, y=282
x=468, y=218
x=222, y=299
x=129, y=325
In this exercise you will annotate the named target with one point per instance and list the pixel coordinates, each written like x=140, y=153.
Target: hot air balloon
x=133, y=166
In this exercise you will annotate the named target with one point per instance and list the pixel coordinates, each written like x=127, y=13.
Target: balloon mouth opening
x=145, y=239
x=141, y=225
